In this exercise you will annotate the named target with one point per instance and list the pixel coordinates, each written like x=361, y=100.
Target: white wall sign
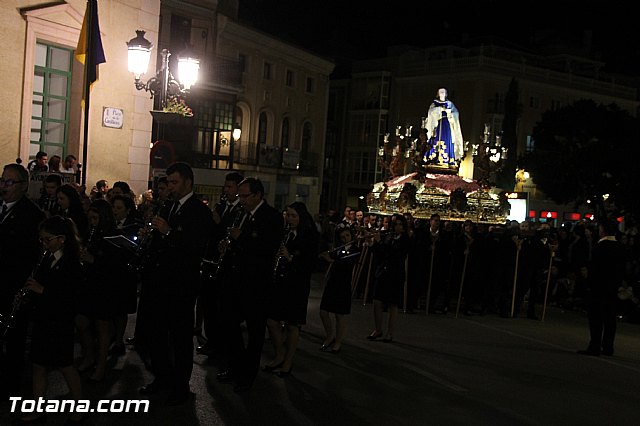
x=112, y=117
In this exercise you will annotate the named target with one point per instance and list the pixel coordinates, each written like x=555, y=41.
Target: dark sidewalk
x=439, y=370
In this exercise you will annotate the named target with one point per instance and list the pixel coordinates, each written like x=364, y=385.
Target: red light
x=532, y=213
x=620, y=219
x=588, y=216
x=548, y=214
x=572, y=216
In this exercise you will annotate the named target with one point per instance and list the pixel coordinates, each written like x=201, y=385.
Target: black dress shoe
x=152, y=388
x=205, y=349
x=130, y=340
x=225, y=376
x=374, y=335
x=282, y=373
x=271, y=368
x=327, y=347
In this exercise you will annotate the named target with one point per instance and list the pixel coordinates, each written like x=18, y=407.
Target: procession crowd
x=240, y=270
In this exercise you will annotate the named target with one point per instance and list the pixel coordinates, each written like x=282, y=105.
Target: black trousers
x=169, y=328
x=602, y=323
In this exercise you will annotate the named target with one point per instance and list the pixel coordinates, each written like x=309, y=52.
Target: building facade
x=274, y=92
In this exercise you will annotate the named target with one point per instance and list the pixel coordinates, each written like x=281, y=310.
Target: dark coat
x=19, y=245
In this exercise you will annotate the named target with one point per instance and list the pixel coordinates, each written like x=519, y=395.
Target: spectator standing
x=606, y=272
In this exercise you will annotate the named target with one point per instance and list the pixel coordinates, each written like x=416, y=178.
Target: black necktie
x=227, y=209
x=4, y=212
x=174, y=209
x=291, y=236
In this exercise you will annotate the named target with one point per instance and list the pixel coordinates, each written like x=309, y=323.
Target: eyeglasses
x=9, y=182
x=49, y=239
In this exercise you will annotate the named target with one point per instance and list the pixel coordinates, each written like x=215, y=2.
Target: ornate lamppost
x=163, y=86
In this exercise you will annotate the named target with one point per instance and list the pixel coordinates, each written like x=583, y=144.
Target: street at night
x=482, y=370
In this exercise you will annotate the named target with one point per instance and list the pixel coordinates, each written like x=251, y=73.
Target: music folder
x=121, y=241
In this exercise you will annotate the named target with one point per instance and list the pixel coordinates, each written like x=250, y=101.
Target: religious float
x=420, y=172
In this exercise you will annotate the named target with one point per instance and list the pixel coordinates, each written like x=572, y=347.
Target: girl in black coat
x=291, y=286
x=390, y=275
x=54, y=284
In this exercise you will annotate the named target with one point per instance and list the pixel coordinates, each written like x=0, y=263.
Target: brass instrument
x=19, y=299
x=279, y=257
x=226, y=242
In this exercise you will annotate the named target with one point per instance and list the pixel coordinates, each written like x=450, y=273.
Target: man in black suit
x=252, y=255
x=176, y=249
x=224, y=214
x=19, y=252
x=606, y=273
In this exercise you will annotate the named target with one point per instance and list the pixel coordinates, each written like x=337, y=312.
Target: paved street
x=481, y=370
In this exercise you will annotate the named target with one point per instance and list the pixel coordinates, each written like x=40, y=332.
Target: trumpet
x=279, y=257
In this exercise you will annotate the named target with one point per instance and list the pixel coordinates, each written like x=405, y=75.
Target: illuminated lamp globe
x=188, y=67
x=139, y=54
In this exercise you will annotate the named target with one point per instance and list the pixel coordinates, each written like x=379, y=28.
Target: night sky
x=355, y=29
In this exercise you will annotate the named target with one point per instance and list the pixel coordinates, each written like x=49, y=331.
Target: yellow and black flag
x=89, y=51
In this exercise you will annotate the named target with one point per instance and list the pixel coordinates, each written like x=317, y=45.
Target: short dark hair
x=235, y=177
x=183, y=169
x=124, y=186
x=53, y=178
x=101, y=183
x=70, y=157
x=255, y=185
x=41, y=154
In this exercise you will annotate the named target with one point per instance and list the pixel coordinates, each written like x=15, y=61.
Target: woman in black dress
x=287, y=309
x=128, y=223
x=392, y=250
x=54, y=284
x=336, y=297
x=102, y=262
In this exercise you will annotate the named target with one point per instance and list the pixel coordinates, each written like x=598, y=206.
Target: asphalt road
x=440, y=370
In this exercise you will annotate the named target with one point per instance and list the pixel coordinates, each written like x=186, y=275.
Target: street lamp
x=162, y=83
